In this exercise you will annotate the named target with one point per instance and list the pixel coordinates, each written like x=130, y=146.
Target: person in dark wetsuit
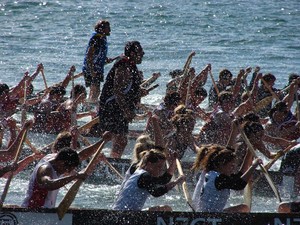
x=120, y=95
x=148, y=179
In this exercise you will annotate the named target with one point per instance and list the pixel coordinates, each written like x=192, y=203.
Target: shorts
x=291, y=161
x=89, y=79
x=111, y=118
x=295, y=206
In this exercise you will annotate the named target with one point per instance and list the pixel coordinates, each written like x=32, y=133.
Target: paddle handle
x=44, y=79
x=152, y=87
x=214, y=83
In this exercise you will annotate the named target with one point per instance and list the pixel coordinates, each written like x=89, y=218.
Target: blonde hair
x=152, y=156
x=182, y=116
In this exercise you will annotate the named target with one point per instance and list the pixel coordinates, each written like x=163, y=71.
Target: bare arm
x=45, y=180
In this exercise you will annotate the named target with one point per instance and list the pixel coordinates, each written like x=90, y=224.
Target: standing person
x=95, y=59
x=120, y=95
x=46, y=179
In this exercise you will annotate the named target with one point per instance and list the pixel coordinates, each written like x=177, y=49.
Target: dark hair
x=225, y=96
x=62, y=141
x=172, y=98
x=176, y=73
x=100, y=25
x=69, y=156
x=78, y=89
x=280, y=107
x=251, y=128
x=30, y=88
x=252, y=117
x=3, y=88
x=60, y=90
x=131, y=46
x=293, y=76
x=216, y=157
x=202, y=153
x=225, y=74
x=269, y=77
x=200, y=91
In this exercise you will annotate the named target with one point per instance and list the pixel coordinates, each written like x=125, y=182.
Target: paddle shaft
x=265, y=172
x=6, y=187
x=27, y=141
x=270, y=90
x=44, y=79
x=23, y=112
x=184, y=186
x=214, y=83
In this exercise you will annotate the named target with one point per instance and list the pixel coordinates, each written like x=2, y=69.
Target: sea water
x=228, y=34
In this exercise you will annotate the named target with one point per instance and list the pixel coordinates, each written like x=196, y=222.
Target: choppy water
x=231, y=34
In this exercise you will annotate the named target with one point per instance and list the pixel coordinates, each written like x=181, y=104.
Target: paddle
x=86, y=141
x=23, y=112
x=88, y=125
x=297, y=106
x=265, y=172
x=113, y=168
x=44, y=78
x=70, y=195
x=248, y=194
x=271, y=162
x=73, y=112
x=214, y=83
x=152, y=87
x=263, y=103
x=184, y=186
x=27, y=141
x=6, y=187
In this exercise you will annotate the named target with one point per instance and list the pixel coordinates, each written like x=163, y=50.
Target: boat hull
x=21, y=216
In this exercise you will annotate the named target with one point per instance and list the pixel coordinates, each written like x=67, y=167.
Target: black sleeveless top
x=132, y=92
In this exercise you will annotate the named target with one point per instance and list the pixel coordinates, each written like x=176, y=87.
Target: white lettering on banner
x=8, y=219
x=187, y=221
x=288, y=221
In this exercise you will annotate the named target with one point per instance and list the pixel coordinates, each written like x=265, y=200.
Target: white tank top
x=212, y=199
x=131, y=197
x=50, y=199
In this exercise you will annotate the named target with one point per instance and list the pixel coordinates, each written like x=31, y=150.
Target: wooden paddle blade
x=263, y=103
x=265, y=172
x=184, y=186
x=68, y=199
x=271, y=183
x=248, y=194
x=88, y=125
